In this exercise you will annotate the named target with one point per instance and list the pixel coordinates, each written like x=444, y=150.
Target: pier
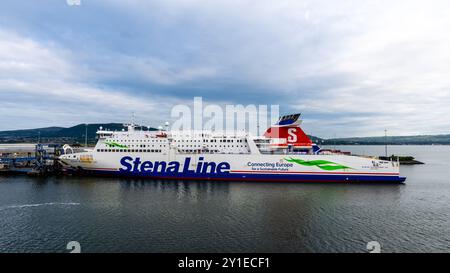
x=404, y=160
x=32, y=159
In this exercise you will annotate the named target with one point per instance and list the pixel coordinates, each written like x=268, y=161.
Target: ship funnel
x=288, y=132
x=289, y=120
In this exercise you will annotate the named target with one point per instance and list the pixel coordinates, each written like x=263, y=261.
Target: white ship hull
x=284, y=153
x=311, y=168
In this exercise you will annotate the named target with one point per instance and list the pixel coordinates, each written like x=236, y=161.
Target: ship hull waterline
x=247, y=178
x=282, y=168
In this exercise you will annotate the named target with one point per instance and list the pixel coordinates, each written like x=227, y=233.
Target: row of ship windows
x=127, y=151
x=212, y=140
x=216, y=146
x=199, y=151
x=145, y=146
x=178, y=146
x=140, y=140
x=179, y=140
x=210, y=152
x=157, y=151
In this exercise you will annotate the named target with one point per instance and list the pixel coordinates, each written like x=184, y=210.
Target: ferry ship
x=283, y=153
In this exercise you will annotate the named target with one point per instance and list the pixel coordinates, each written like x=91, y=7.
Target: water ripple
x=39, y=205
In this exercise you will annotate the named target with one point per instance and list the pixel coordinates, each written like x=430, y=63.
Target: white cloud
x=35, y=78
x=156, y=71
x=396, y=68
x=360, y=66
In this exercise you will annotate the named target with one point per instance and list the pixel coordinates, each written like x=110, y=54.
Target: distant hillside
x=75, y=134
x=29, y=132
x=315, y=139
x=391, y=140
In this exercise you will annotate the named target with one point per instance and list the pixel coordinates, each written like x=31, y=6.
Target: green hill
x=75, y=134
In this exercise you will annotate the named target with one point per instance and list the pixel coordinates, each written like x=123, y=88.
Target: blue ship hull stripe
x=255, y=176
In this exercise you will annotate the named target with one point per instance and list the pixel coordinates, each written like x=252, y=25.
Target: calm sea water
x=119, y=215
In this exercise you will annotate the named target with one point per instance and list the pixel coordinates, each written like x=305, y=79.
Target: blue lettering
x=136, y=163
x=211, y=165
x=173, y=167
x=124, y=162
x=187, y=162
x=223, y=167
x=158, y=164
x=146, y=166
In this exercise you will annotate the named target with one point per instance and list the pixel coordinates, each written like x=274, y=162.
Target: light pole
x=385, y=142
x=86, y=137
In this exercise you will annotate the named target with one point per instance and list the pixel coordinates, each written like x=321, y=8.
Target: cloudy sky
x=353, y=68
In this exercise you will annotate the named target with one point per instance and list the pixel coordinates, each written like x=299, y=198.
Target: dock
x=404, y=160
x=31, y=159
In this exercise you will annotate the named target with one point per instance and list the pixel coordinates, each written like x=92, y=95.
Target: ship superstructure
x=283, y=153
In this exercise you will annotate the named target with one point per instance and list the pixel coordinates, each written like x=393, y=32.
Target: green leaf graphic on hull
x=323, y=164
x=114, y=144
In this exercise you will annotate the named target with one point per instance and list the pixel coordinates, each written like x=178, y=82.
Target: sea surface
x=128, y=215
